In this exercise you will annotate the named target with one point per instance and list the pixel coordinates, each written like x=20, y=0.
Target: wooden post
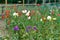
x=43, y=2
x=35, y=2
x=55, y=1
x=49, y=1
x=23, y=3
x=28, y=1
x=6, y=3
x=15, y=7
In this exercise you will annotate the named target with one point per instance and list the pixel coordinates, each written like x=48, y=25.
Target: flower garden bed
x=32, y=23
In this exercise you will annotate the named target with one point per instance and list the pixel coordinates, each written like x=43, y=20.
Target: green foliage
x=46, y=29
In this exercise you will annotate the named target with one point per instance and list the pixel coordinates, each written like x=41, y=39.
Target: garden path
x=2, y=28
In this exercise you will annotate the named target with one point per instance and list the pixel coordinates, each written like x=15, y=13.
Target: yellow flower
x=54, y=18
x=41, y=19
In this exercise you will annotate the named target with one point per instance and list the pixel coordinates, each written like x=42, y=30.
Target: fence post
x=23, y=3
x=2, y=9
x=49, y=1
x=44, y=2
x=35, y=2
x=6, y=3
x=28, y=1
x=55, y=1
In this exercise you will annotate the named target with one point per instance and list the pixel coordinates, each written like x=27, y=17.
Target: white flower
x=41, y=19
x=48, y=17
x=24, y=11
x=15, y=14
x=28, y=13
x=29, y=18
x=54, y=18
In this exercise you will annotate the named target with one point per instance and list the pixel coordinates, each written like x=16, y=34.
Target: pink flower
x=58, y=14
x=38, y=4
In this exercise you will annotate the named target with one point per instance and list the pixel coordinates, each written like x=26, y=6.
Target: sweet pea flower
x=28, y=13
x=49, y=18
x=34, y=28
x=15, y=14
x=16, y=28
x=28, y=28
x=29, y=18
x=38, y=4
x=24, y=11
x=58, y=14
